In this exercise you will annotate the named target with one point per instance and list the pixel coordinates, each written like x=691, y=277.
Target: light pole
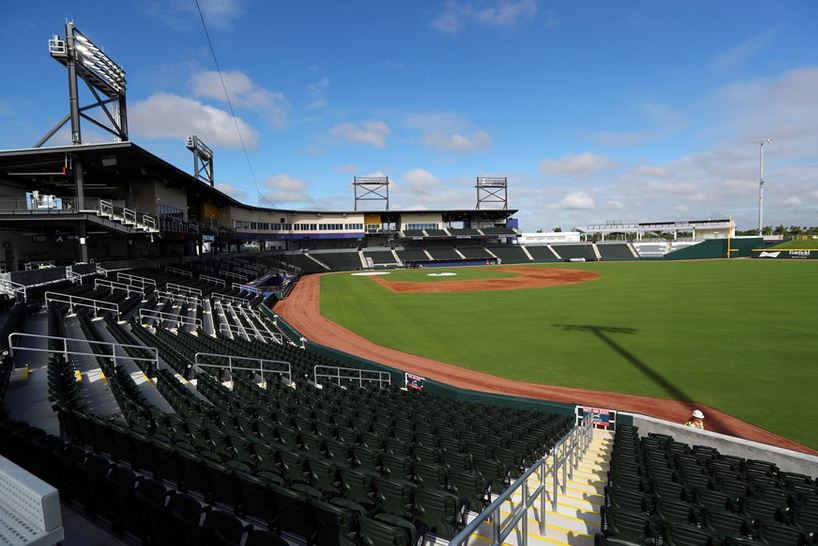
x=761, y=142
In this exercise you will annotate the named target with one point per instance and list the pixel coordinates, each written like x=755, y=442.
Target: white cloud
x=371, y=132
x=283, y=189
x=651, y=170
x=663, y=121
x=165, y=115
x=579, y=164
x=457, y=14
x=448, y=132
x=743, y=51
x=273, y=105
x=317, y=94
x=420, y=181
x=616, y=204
x=231, y=190
x=578, y=200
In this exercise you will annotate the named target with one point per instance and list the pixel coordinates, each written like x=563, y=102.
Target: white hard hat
x=698, y=414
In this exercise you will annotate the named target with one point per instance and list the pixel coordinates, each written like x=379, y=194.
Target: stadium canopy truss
x=371, y=188
x=492, y=189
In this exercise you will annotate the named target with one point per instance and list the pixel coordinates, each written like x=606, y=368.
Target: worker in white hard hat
x=696, y=420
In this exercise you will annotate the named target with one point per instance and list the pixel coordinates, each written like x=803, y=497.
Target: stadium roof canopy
x=108, y=162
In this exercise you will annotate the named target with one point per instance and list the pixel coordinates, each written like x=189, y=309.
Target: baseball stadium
x=180, y=367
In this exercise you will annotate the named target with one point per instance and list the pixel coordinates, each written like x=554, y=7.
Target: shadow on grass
x=604, y=334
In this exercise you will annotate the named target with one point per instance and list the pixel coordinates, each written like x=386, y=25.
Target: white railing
x=102, y=271
x=77, y=301
x=113, y=285
x=244, y=270
x=212, y=280
x=73, y=278
x=564, y=458
x=129, y=216
x=106, y=208
x=115, y=351
x=135, y=280
x=359, y=375
x=237, y=286
x=181, y=320
x=243, y=363
x=161, y=295
x=7, y=286
x=30, y=511
x=28, y=266
x=225, y=328
x=179, y=271
x=173, y=287
x=232, y=275
x=230, y=299
x=148, y=222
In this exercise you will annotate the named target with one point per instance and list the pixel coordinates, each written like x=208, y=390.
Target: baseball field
x=739, y=335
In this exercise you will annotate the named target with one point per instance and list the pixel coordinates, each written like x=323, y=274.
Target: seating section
x=541, y=254
x=474, y=252
x=569, y=252
x=340, y=261
x=413, y=233
x=444, y=253
x=304, y=263
x=615, y=251
x=510, y=254
x=436, y=233
x=660, y=490
x=650, y=249
x=412, y=255
x=498, y=231
x=464, y=232
x=381, y=257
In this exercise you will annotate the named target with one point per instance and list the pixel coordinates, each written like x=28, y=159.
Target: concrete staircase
x=576, y=518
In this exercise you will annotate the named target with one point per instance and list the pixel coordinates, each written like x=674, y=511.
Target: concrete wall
x=421, y=218
x=789, y=461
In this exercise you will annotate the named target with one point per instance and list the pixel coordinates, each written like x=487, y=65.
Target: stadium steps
x=361, y=257
x=459, y=253
x=397, y=258
x=554, y=252
x=431, y=258
x=319, y=262
x=493, y=255
x=633, y=250
x=96, y=393
x=576, y=519
x=596, y=252
x=527, y=253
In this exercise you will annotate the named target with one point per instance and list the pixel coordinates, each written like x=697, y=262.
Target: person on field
x=696, y=420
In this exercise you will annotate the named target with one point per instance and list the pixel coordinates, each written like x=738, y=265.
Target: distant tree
x=558, y=229
x=539, y=230
x=779, y=230
x=795, y=230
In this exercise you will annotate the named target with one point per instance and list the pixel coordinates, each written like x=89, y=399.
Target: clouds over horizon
x=448, y=132
x=506, y=14
x=371, y=132
x=244, y=93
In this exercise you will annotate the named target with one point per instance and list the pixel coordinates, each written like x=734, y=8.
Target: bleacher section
x=498, y=231
x=651, y=249
x=340, y=261
x=474, y=252
x=615, y=251
x=380, y=257
x=412, y=255
x=541, y=253
x=444, y=253
x=569, y=252
x=464, y=232
x=436, y=233
x=413, y=233
x=661, y=491
x=510, y=254
x=305, y=263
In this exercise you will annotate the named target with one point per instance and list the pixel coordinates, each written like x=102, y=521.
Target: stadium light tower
x=105, y=79
x=761, y=142
x=202, y=159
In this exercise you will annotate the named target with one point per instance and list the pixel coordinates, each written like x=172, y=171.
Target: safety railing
x=352, y=375
x=74, y=278
x=561, y=461
x=160, y=316
x=173, y=287
x=180, y=298
x=212, y=280
x=15, y=289
x=260, y=366
x=106, y=208
x=244, y=270
x=113, y=285
x=129, y=216
x=102, y=271
x=28, y=266
x=77, y=301
x=180, y=271
x=268, y=337
x=118, y=351
x=230, y=299
x=135, y=280
x=149, y=222
x=232, y=275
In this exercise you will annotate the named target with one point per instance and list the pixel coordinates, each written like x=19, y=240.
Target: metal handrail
x=231, y=358
x=173, y=287
x=78, y=301
x=113, y=285
x=566, y=453
x=8, y=286
x=232, y=329
x=230, y=299
x=180, y=271
x=212, y=280
x=232, y=275
x=162, y=316
x=135, y=280
x=162, y=294
x=66, y=351
x=381, y=377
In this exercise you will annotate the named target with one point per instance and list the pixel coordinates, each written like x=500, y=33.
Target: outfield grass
x=739, y=335
x=798, y=244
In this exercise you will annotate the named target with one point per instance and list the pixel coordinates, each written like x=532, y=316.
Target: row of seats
x=662, y=490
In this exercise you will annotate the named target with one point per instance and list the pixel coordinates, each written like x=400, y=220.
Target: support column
x=79, y=181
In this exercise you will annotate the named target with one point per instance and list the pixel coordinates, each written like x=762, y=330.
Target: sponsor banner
x=601, y=417
x=414, y=382
x=786, y=254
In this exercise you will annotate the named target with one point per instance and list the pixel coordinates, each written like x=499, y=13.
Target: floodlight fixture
x=202, y=159
x=492, y=189
x=371, y=188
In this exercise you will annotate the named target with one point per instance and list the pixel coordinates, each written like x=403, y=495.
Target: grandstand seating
x=662, y=490
x=444, y=253
x=413, y=233
x=436, y=233
x=615, y=251
x=380, y=256
x=498, y=231
x=568, y=252
x=412, y=255
x=306, y=264
x=340, y=261
x=474, y=252
x=464, y=232
x=510, y=254
x=651, y=249
x=541, y=253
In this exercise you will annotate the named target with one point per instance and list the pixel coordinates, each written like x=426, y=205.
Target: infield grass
x=740, y=335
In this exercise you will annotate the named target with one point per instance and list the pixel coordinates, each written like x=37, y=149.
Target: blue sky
x=595, y=111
